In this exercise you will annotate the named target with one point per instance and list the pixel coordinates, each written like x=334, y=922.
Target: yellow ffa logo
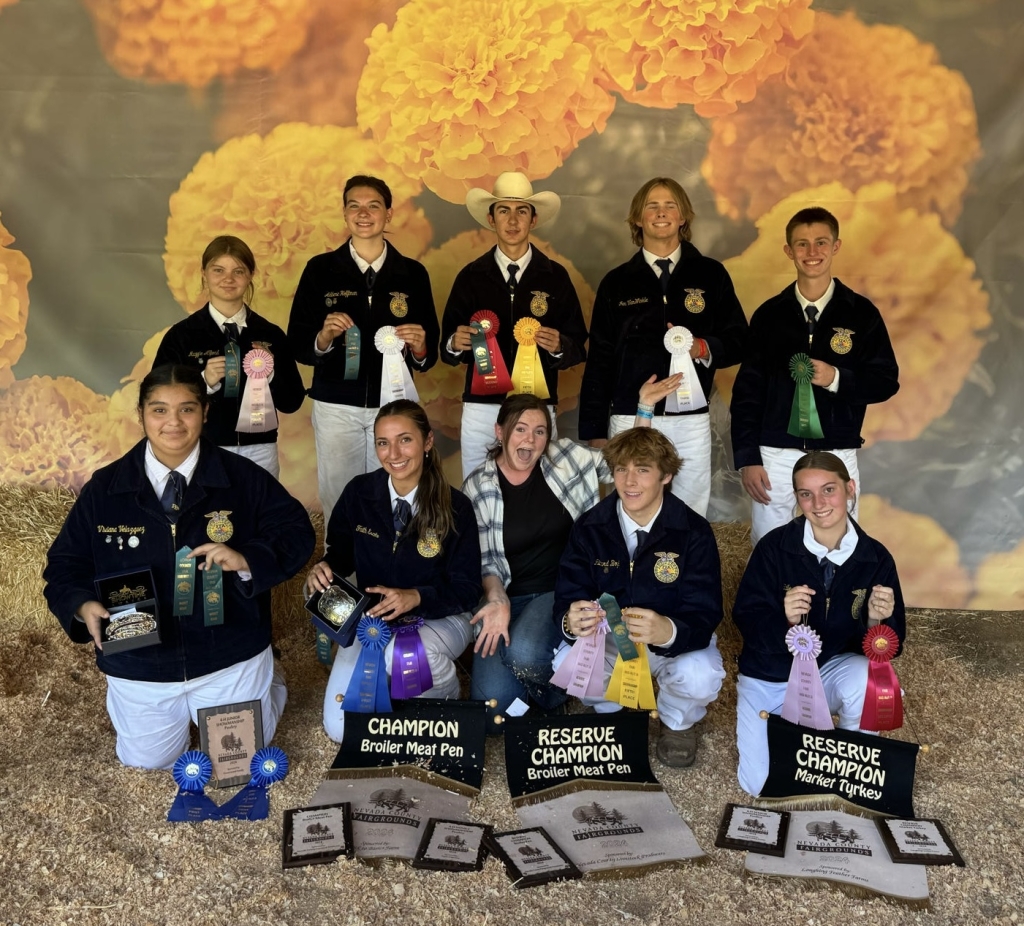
x=213, y=598
x=620, y=630
x=842, y=340
x=695, y=301
x=219, y=529
x=399, y=305
x=321, y=637
x=184, y=587
x=539, y=304
x=665, y=569
x=428, y=546
x=859, y=594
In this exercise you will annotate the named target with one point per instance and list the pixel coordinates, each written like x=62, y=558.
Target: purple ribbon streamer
x=410, y=671
x=805, y=702
x=576, y=673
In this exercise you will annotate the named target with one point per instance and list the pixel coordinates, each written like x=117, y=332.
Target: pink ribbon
x=805, y=702
x=577, y=673
x=257, y=412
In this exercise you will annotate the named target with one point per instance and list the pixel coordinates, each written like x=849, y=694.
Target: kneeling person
x=659, y=560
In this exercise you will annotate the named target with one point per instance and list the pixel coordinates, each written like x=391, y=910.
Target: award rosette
x=368, y=690
x=631, y=684
x=395, y=379
x=527, y=373
x=257, y=412
x=883, y=700
x=353, y=344
x=803, y=418
x=268, y=765
x=689, y=396
x=490, y=375
x=805, y=702
x=192, y=771
x=577, y=673
x=410, y=671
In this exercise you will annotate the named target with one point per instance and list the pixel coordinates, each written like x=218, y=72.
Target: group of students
x=521, y=556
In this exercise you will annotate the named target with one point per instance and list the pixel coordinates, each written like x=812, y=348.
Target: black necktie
x=174, y=492
x=812, y=315
x=371, y=276
x=403, y=511
x=828, y=573
x=665, y=263
x=513, y=269
x=641, y=537
x=231, y=332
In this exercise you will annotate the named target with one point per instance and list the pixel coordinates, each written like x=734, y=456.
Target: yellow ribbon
x=527, y=375
x=631, y=684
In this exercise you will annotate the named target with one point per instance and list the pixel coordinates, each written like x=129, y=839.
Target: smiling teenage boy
x=853, y=366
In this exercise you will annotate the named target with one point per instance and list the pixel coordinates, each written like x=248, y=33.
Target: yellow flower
x=282, y=195
x=461, y=90
x=441, y=388
x=710, y=53
x=999, y=582
x=145, y=364
x=909, y=266
x=57, y=432
x=15, y=272
x=318, y=84
x=296, y=450
x=858, y=104
x=927, y=558
x=4, y=3
x=195, y=41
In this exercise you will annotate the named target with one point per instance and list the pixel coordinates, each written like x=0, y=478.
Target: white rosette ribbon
x=395, y=379
x=689, y=396
x=257, y=413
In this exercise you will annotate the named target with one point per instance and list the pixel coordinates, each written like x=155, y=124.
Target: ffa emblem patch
x=213, y=598
x=399, y=305
x=539, y=304
x=330, y=300
x=842, y=342
x=859, y=594
x=428, y=545
x=184, y=587
x=665, y=569
x=219, y=529
x=695, y=301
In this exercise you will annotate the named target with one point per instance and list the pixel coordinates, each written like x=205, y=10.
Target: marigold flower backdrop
x=136, y=130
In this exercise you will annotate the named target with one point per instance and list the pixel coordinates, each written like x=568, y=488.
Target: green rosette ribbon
x=803, y=419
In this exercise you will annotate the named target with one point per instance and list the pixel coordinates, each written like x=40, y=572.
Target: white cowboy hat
x=512, y=186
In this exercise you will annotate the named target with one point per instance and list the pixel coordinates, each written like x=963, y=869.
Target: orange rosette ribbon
x=883, y=700
x=527, y=373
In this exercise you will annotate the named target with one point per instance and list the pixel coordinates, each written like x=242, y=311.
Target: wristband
x=641, y=412
x=565, y=626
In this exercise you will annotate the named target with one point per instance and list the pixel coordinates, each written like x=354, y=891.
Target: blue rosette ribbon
x=192, y=771
x=268, y=765
x=368, y=689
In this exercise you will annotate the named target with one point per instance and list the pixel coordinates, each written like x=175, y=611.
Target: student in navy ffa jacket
x=199, y=341
x=343, y=299
x=820, y=569
x=635, y=307
x=174, y=491
x=659, y=560
x=410, y=538
x=853, y=361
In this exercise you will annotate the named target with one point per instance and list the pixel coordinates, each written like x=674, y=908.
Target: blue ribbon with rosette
x=368, y=689
x=192, y=771
x=410, y=671
x=268, y=765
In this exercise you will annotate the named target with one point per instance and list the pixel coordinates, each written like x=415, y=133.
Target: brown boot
x=677, y=748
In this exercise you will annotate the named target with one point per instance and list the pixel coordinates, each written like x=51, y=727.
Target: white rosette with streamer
x=689, y=396
x=256, y=412
x=395, y=379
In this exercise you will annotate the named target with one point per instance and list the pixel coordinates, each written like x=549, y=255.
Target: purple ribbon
x=410, y=671
x=577, y=673
x=805, y=702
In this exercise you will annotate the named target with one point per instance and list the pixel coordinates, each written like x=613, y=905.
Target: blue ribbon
x=368, y=689
x=268, y=765
x=191, y=772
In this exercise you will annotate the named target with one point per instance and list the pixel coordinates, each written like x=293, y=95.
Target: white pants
x=477, y=433
x=344, y=448
x=778, y=463
x=687, y=683
x=444, y=640
x=844, y=679
x=691, y=436
x=264, y=455
x=152, y=718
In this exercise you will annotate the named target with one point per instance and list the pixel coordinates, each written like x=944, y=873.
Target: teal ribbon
x=803, y=417
x=184, y=582
x=232, y=369
x=478, y=345
x=323, y=647
x=353, y=341
x=617, y=627
x=213, y=595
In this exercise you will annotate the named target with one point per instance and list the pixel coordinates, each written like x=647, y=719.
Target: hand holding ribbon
x=805, y=702
x=631, y=684
x=581, y=673
x=395, y=379
x=689, y=395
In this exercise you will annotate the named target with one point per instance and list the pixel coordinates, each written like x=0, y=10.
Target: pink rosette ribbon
x=883, y=700
x=689, y=396
x=581, y=673
x=805, y=702
x=257, y=412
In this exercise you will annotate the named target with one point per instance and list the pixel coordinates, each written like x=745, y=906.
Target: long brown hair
x=512, y=409
x=635, y=218
x=433, y=495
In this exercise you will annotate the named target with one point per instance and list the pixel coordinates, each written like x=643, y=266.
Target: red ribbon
x=498, y=381
x=883, y=702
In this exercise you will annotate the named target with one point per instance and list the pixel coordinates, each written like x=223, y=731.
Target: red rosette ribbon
x=490, y=374
x=883, y=700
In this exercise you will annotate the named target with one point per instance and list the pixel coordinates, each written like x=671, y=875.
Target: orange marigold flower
x=282, y=195
x=195, y=41
x=999, y=582
x=461, y=90
x=927, y=558
x=57, y=432
x=318, y=85
x=710, y=53
x=441, y=388
x=15, y=272
x=858, y=104
x=4, y=3
x=145, y=364
x=909, y=266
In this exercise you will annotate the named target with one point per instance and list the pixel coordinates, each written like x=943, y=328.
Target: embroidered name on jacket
x=365, y=530
x=640, y=300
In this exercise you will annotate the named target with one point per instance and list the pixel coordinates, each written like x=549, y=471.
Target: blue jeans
x=521, y=669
